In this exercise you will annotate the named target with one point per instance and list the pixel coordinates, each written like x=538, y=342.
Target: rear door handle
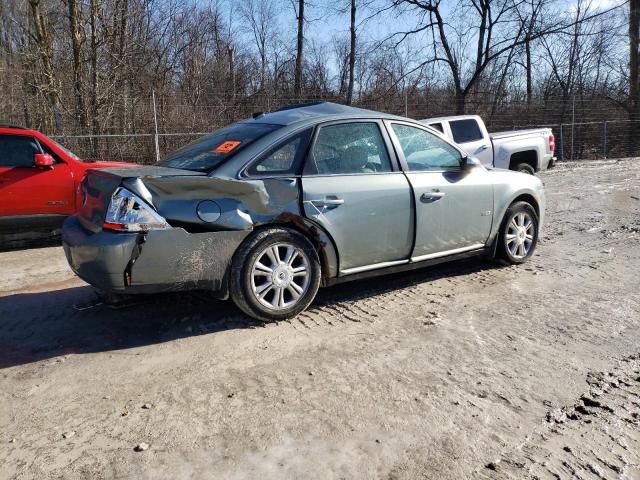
x=431, y=196
x=484, y=147
x=327, y=202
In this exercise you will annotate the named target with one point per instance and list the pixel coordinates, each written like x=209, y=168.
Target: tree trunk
x=352, y=53
x=76, y=47
x=461, y=98
x=634, y=105
x=297, y=83
x=93, y=100
x=527, y=48
x=232, y=72
x=45, y=51
x=120, y=27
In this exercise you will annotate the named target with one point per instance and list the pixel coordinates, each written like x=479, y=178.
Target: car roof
x=6, y=129
x=314, y=112
x=448, y=119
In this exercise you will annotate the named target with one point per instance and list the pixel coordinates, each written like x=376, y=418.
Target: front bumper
x=150, y=262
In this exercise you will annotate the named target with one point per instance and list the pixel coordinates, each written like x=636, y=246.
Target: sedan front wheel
x=275, y=274
x=518, y=233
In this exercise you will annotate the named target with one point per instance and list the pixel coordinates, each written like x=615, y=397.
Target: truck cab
x=39, y=181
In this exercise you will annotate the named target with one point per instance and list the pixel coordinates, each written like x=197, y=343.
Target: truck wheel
x=525, y=168
x=518, y=235
x=275, y=274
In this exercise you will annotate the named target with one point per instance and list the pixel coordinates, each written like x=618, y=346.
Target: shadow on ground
x=39, y=326
x=27, y=240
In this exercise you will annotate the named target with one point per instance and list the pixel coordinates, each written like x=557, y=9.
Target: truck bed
x=519, y=133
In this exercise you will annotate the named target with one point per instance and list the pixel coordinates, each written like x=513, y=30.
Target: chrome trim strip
x=375, y=266
x=421, y=258
x=429, y=256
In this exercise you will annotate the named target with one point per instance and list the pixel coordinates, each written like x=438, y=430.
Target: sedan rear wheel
x=280, y=276
x=275, y=274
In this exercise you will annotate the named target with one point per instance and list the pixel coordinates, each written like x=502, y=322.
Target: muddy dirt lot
x=469, y=370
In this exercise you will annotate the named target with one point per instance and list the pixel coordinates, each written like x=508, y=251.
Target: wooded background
x=85, y=71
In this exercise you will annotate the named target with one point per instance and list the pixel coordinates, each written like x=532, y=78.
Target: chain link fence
x=593, y=140
x=574, y=141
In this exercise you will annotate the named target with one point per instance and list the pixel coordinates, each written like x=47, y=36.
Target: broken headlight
x=129, y=213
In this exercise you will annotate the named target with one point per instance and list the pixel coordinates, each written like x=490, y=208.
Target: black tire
x=505, y=244
x=243, y=276
x=525, y=168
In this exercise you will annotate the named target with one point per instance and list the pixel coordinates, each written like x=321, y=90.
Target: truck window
x=437, y=126
x=17, y=151
x=466, y=130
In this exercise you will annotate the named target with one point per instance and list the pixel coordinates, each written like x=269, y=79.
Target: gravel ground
x=467, y=370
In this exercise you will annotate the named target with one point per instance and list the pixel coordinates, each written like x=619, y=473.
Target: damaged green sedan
x=269, y=209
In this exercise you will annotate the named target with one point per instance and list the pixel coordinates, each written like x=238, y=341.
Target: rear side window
x=284, y=158
x=464, y=131
x=17, y=150
x=348, y=148
x=211, y=151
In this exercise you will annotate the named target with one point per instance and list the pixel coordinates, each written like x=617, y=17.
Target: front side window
x=284, y=158
x=212, y=150
x=348, y=148
x=17, y=151
x=464, y=131
x=424, y=151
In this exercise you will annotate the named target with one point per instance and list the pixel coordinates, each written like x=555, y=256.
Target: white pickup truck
x=527, y=151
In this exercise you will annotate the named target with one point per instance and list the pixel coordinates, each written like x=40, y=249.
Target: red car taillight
x=552, y=142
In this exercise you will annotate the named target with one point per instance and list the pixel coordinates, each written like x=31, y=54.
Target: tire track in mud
x=598, y=437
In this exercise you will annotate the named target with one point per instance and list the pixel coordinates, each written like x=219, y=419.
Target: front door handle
x=432, y=196
x=327, y=202
x=484, y=147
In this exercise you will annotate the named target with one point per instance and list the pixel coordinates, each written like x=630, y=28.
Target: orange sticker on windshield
x=226, y=147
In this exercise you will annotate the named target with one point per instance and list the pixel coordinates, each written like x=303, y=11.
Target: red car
x=39, y=181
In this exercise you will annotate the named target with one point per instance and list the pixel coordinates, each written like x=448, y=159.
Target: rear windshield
x=212, y=150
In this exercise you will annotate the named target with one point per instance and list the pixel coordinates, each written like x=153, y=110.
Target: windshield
x=66, y=150
x=210, y=151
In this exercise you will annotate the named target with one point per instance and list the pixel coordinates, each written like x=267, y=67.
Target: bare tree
x=90, y=66
x=297, y=84
x=260, y=17
x=42, y=37
x=634, y=101
x=77, y=40
x=500, y=26
x=352, y=52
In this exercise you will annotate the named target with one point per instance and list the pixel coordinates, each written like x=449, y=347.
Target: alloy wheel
x=520, y=235
x=280, y=276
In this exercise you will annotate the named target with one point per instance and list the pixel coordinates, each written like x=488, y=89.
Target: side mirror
x=43, y=160
x=470, y=162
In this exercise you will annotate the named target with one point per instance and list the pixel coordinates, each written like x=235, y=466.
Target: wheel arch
x=529, y=156
x=525, y=197
x=319, y=238
x=518, y=197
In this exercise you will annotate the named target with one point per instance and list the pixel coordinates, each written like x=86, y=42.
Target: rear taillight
x=552, y=142
x=129, y=213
